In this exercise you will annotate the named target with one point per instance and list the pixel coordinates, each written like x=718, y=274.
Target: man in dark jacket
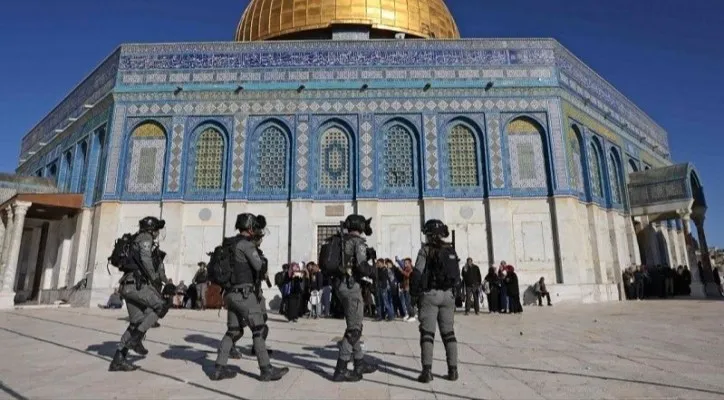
x=200, y=280
x=473, y=280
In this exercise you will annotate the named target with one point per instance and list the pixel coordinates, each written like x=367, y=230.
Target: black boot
x=222, y=372
x=272, y=373
x=452, y=374
x=342, y=374
x=139, y=349
x=361, y=367
x=426, y=375
x=235, y=354
x=119, y=363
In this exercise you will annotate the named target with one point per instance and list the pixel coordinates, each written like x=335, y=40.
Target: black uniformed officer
x=145, y=304
x=245, y=306
x=437, y=303
x=349, y=293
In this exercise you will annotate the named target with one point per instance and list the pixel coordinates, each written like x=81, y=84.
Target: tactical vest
x=243, y=273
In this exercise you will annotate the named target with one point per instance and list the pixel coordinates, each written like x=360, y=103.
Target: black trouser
x=639, y=290
x=472, y=297
x=540, y=298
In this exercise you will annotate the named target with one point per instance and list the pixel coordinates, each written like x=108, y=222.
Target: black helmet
x=150, y=224
x=358, y=223
x=435, y=227
x=260, y=226
x=244, y=222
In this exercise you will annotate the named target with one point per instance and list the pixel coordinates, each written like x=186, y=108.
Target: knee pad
x=162, y=310
x=235, y=334
x=449, y=337
x=258, y=331
x=353, y=336
x=265, y=332
x=426, y=336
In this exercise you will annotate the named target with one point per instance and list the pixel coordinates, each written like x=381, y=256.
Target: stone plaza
x=628, y=350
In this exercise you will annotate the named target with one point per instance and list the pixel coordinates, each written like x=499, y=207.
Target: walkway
x=652, y=349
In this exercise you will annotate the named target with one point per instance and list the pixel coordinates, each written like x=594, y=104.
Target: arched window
x=399, y=158
x=631, y=167
x=575, y=161
x=595, y=167
x=334, y=160
x=53, y=172
x=82, y=166
x=208, y=170
x=68, y=177
x=528, y=163
x=100, y=146
x=148, y=152
x=462, y=157
x=271, y=172
x=614, y=177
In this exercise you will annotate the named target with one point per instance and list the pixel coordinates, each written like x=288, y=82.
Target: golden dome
x=270, y=19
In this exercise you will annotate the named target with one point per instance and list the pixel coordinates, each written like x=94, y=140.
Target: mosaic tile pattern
x=177, y=145
x=239, y=149
x=334, y=171
x=117, y=135
x=462, y=157
x=398, y=158
x=496, y=151
x=209, y=160
x=148, y=150
x=366, y=156
x=575, y=162
x=303, y=147
x=558, y=147
x=614, y=179
x=271, y=151
x=527, y=161
x=432, y=156
x=594, y=166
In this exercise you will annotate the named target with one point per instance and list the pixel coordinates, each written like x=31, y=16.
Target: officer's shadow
x=332, y=351
x=108, y=349
x=200, y=357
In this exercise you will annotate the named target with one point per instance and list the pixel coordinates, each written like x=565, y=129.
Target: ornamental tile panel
x=117, y=134
x=302, y=154
x=366, y=148
x=239, y=151
x=557, y=144
x=594, y=166
x=496, y=151
x=175, y=160
x=527, y=162
x=432, y=177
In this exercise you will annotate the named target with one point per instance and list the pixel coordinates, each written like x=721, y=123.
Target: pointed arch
x=398, y=157
x=577, y=160
x=269, y=161
x=208, y=160
x=463, y=169
x=615, y=178
x=82, y=166
x=595, y=165
x=529, y=158
x=65, y=186
x=632, y=166
x=335, y=160
x=147, y=147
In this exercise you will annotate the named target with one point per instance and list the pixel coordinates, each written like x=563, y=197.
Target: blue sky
x=665, y=55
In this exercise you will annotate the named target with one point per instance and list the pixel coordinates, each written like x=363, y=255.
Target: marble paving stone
x=642, y=350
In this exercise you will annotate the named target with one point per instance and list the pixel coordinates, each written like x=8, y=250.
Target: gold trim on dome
x=268, y=19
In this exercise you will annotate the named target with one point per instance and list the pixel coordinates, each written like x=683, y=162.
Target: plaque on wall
x=334, y=211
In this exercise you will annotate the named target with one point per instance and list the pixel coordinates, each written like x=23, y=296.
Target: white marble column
x=697, y=287
x=7, y=294
x=5, y=244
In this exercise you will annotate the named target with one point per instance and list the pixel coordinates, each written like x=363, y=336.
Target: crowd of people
x=659, y=281
x=305, y=292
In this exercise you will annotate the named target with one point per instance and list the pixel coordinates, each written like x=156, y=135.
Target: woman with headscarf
x=504, y=301
x=296, y=279
x=491, y=286
x=511, y=283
